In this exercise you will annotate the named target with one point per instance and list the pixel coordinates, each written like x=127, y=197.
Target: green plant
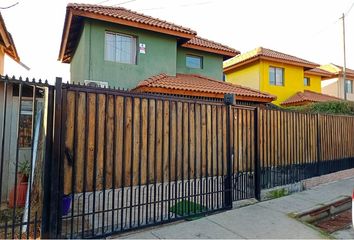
x=24, y=167
x=332, y=107
x=278, y=193
x=185, y=208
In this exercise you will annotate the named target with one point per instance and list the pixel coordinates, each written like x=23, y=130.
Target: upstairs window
x=120, y=48
x=194, y=61
x=276, y=76
x=306, y=81
x=349, y=86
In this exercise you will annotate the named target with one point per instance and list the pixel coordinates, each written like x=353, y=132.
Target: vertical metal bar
x=123, y=164
x=73, y=172
x=189, y=139
x=217, y=158
x=147, y=162
x=206, y=157
x=201, y=155
x=212, y=159
x=47, y=176
x=114, y=139
x=132, y=164
x=34, y=110
x=155, y=158
x=169, y=156
x=104, y=161
x=140, y=150
x=228, y=179
x=95, y=164
x=16, y=163
x=195, y=155
x=56, y=158
x=176, y=156
x=257, y=164
x=84, y=183
x=3, y=137
x=162, y=157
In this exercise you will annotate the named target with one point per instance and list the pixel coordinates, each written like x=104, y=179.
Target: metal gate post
x=257, y=164
x=229, y=99
x=47, y=165
x=52, y=199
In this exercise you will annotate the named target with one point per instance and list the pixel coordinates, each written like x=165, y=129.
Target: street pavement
x=267, y=220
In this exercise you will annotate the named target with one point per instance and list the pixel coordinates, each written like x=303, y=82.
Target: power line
x=9, y=6
x=103, y=1
x=351, y=7
x=180, y=6
x=123, y=3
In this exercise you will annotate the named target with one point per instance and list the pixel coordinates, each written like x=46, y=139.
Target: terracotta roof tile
x=319, y=72
x=201, y=84
x=302, y=98
x=202, y=42
x=125, y=14
x=127, y=17
x=261, y=52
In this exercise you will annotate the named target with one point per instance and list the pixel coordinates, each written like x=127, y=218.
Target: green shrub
x=333, y=107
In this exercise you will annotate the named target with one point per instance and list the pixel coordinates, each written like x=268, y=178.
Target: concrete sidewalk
x=267, y=219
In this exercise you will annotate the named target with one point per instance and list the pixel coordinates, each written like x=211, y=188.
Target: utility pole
x=345, y=62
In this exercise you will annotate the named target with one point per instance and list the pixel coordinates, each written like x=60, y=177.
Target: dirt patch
x=335, y=222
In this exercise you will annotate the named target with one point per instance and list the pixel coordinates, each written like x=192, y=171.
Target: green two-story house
x=122, y=47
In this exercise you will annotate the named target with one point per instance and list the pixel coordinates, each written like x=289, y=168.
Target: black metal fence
x=23, y=143
x=103, y=161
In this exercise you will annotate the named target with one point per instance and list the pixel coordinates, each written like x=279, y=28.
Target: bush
x=333, y=107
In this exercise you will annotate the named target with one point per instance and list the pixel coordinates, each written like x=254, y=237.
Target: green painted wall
x=162, y=56
x=212, y=63
x=88, y=62
x=79, y=63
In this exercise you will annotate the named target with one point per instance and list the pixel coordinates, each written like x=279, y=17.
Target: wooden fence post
x=318, y=145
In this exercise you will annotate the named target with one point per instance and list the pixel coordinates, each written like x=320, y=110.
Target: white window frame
x=276, y=83
x=195, y=56
x=133, y=57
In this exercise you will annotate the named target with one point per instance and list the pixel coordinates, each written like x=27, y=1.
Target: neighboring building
x=334, y=85
x=120, y=47
x=274, y=72
x=7, y=45
x=200, y=86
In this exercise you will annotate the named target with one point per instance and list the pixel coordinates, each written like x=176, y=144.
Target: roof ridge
x=128, y=10
x=323, y=94
x=217, y=43
x=223, y=82
x=152, y=79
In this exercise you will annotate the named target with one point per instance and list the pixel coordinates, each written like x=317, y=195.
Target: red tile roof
x=196, y=85
x=76, y=12
x=319, y=72
x=268, y=54
x=125, y=14
x=7, y=41
x=200, y=43
x=303, y=98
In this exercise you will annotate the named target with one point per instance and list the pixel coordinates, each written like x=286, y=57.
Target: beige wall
x=330, y=87
x=335, y=87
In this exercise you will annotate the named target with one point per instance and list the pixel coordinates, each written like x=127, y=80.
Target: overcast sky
x=310, y=29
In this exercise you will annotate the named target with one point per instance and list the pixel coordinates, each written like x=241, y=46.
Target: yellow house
x=274, y=72
x=7, y=45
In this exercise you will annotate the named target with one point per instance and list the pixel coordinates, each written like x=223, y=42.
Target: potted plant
x=20, y=189
x=24, y=169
